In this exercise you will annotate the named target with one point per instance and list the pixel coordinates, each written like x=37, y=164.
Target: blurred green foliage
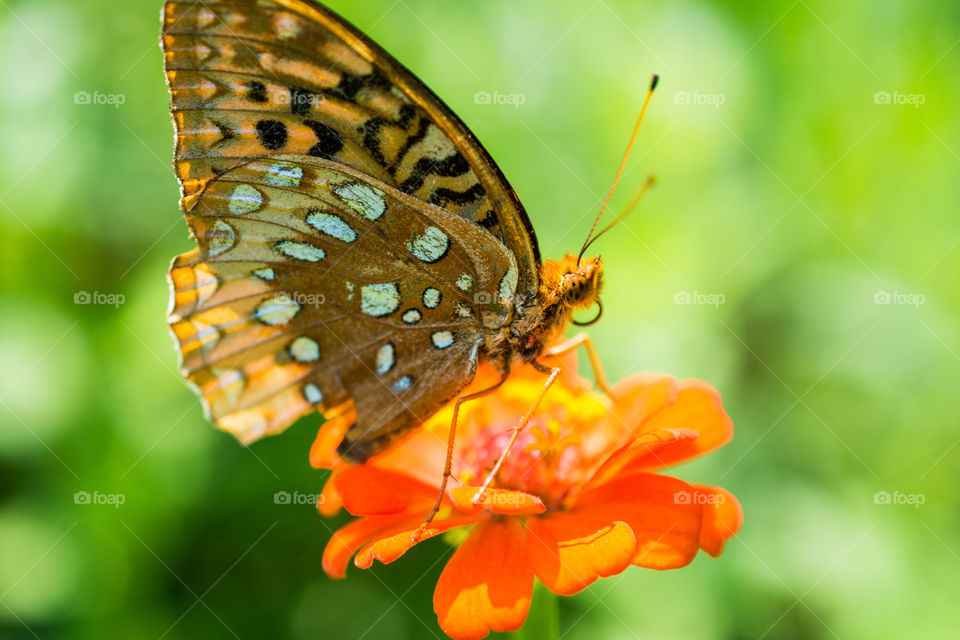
x=790, y=191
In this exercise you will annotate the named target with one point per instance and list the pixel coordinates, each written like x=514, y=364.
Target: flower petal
x=323, y=452
x=697, y=407
x=503, y=501
x=569, y=551
x=722, y=518
x=661, y=512
x=486, y=586
x=347, y=540
x=393, y=543
x=420, y=455
x=644, y=445
x=368, y=491
x=641, y=395
x=330, y=501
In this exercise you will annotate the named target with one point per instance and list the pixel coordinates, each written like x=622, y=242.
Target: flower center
x=544, y=461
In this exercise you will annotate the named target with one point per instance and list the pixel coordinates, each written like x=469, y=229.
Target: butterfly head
x=580, y=283
x=574, y=284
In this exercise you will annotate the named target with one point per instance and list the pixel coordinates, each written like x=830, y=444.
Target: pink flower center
x=543, y=461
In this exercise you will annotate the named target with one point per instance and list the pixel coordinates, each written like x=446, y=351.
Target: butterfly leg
x=553, y=373
x=448, y=465
x=583, y=340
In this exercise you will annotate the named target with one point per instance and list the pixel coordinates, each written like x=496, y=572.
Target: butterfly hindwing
x=314, y=286
x=292, y=130
x=263, y=77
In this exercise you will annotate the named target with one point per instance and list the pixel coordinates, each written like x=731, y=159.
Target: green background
x=790, y=195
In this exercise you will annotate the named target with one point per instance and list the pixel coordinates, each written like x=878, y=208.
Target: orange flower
x=575, y=500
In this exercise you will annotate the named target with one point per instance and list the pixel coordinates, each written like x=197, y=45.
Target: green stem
x=543, y=621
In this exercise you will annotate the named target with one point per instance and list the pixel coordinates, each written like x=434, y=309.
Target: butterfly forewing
x=260, y=77
x=313, y=286
x=355, y=241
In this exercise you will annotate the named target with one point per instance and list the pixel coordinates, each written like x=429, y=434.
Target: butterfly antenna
x=630, y=206
x=633, y=138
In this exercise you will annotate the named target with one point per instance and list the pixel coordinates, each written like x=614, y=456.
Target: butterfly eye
x=574, y=288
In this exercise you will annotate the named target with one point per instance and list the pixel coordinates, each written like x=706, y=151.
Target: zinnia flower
x=577, y=498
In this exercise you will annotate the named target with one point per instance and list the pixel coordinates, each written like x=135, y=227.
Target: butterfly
x=358, y=251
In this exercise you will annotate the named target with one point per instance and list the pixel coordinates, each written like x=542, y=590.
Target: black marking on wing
x=301, y=100
x=329, y=142
x=226, y=133
x=349, y=86
x=370, y=130
x=272, y=134
x=257, y=91
x=407, y=113
x=376, y=79
x=421, y=133
x=489, y=220
x=450, y=167
x=442, y=196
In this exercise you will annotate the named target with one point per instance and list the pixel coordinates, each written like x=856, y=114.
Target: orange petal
x=659, y=509
x=503, y=501
x=421, y=455
x=698, y=408
x=368, y=491
x=722, y=518
x=486, y=586
x=569, y=551
x=392, y=544
x=323, y=452
x=347, y=540
x=641, y=446
x=641, y=395
x=330, y=501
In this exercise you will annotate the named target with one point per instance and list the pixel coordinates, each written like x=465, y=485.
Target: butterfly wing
x=313, y=286
x=262, y=77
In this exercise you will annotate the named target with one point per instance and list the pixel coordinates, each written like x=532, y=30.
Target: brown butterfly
x=358, y=251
